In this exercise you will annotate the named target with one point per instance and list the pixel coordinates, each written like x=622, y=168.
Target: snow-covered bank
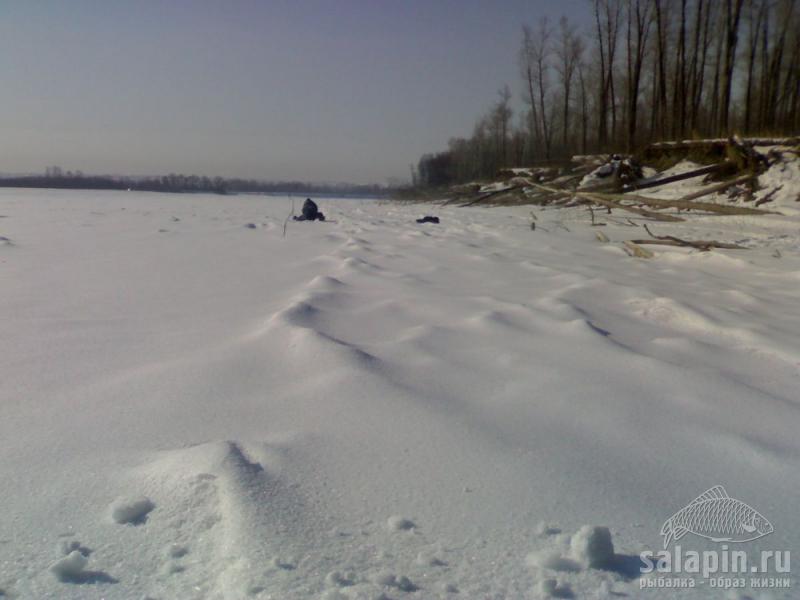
x=191, y=407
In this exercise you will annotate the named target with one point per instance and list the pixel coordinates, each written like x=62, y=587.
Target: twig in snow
x=291, y=214
x=670, y=240
x=769, y=196
x=595, y=224
x=634, y=249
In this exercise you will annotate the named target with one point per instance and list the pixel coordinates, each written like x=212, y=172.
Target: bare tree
x=527, y=63
x=658, y=68
x=679, y=78
x=638, y=28
x=584, y=108
x=660, y=110
x=755, y=14
x=502, y=116
x=607, y=16
x=535, y=59
x=699, y=55
x=733, y=12
x=569, y=51
x=784, y=12
x=790, y=93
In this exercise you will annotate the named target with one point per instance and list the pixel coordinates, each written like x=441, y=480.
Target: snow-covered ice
x=370, y=408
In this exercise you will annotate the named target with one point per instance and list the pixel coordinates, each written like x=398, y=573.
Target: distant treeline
x=371, y=190
x=54, y=177
x=640, y=71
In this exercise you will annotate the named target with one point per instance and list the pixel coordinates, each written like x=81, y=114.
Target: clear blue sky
x=324, y=90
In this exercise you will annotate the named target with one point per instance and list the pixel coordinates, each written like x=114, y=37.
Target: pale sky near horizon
x=336, y=90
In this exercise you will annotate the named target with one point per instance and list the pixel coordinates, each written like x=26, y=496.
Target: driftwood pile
x=620, y=186
x=617, y=185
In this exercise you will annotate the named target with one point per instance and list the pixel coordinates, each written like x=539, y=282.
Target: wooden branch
x=291, y=214
x=703, y=245
x=769, y=197
x=686, y=202
x=715, y=168
x=671, y=240
x=609, y=202
x=718, y=188
x=489, y=195
x=691, y=144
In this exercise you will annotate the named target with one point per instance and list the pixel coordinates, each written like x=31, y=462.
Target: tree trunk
x=733, y=11
x=662, y=71
x=679, y=80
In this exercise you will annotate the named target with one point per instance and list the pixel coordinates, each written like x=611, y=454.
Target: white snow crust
x=371, y=408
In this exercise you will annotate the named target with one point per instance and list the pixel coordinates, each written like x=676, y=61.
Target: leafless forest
x=645, y=70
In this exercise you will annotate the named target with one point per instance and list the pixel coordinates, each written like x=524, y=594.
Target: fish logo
x=717, y=517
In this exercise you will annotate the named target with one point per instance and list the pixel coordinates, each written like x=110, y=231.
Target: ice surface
x=278, y=399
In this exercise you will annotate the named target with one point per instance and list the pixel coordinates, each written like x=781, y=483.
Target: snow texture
x=490, y=388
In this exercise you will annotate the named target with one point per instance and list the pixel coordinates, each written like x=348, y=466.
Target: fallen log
x=686, y=203
x=489, y=195
x=691, y=144
x=704, y=245
x=708, y=170
x=601, y=199
x=610, y=203
x=718, y=187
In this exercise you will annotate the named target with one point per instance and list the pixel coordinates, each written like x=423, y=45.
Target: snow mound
x=592, y=545
x=68, y=546
x=177, y=551
x=430, y=559
x=131, y=511
x=400, y=582
x=70, y=567
x=398, y=523
x=340, y=579
x=551, y=588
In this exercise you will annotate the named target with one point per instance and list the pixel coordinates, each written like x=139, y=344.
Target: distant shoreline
x=188, y=184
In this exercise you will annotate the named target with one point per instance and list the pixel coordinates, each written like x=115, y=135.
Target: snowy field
x=194, y=406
